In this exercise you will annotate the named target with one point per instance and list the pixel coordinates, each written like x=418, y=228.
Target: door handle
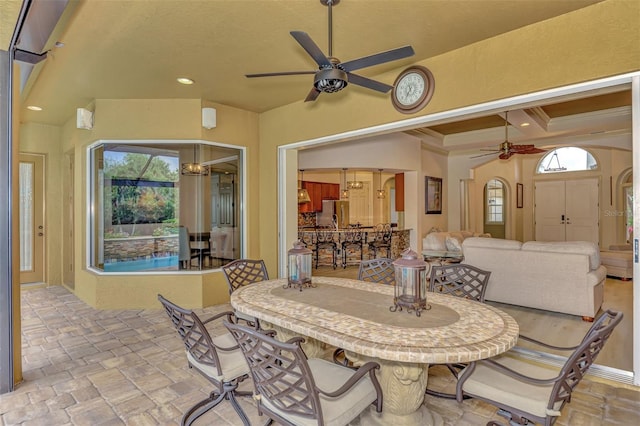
x=562, y=219
x=40, y=234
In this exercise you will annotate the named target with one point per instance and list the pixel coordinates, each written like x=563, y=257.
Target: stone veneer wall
x=134, y=248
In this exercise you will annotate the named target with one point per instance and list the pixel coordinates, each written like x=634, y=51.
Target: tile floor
x=88, y=367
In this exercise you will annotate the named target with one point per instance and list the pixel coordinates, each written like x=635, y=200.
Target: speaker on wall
x=84, y=119
x=208, y=118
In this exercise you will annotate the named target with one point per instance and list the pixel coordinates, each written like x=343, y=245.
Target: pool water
x=155, y=263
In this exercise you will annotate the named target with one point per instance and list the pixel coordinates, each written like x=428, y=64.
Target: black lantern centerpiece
x=410, y=290
x=299, y=266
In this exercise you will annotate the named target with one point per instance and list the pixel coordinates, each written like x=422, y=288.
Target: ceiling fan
x=507, y=149
x=334, y=75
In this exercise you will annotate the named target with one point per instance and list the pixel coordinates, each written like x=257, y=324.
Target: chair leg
x=234, y=403
x=228, y=392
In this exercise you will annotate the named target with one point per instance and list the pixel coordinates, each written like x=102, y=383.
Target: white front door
x=567, y=210
x=550, y=211
x=581, y=200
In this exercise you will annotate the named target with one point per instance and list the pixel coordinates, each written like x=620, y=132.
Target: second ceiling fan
x=334, y=75
x=507, y=149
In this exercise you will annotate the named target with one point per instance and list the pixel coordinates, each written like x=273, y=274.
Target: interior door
x=360, y=205
x=32, y=231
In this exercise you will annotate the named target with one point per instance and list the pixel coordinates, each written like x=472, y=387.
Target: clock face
x=410, y=88
x=413, y=89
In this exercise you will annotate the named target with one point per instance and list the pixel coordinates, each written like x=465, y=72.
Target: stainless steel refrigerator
x=333, y=213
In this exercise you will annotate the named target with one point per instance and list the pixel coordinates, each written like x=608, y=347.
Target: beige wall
x=143, y=120
x=553, y=53
x=549, y=54
x=612, y=163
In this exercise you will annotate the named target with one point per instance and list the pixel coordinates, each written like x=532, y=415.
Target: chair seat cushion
x=336, y=411
x=233, y=363
x=505, y=391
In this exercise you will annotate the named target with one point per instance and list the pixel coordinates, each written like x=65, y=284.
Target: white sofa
x=564, y=277
x=448, y=241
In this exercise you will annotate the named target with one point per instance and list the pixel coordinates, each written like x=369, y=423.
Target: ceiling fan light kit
x=333, y=75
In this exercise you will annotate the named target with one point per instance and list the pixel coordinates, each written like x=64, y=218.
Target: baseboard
x=600, y=371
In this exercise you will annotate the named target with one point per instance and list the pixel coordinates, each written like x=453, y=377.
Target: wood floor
x=560, y=329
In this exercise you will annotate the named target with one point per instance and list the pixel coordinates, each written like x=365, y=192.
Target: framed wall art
x=433, y=195
x=519, y=195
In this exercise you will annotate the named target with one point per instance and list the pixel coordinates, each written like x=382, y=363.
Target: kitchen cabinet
x=330, y=191
x=318, y=191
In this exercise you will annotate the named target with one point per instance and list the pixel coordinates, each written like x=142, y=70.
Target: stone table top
x=355, y=315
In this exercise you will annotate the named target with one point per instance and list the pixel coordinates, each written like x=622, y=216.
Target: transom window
x=567, y=159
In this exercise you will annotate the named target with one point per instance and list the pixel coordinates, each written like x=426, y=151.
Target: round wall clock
x=413, y=89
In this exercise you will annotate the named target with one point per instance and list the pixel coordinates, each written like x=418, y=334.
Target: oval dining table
x=354, y=315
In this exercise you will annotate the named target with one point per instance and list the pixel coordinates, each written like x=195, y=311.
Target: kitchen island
x=399, y=242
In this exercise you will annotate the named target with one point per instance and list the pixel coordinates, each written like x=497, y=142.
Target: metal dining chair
x=525, y=392
x=294, y=390
x=459, y=280
x=378, y=270
x=242, y=272
x=217, y=358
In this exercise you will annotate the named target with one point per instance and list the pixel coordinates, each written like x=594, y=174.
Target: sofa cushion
x=435, y=241
x=496, y=243
x=453, y=244
x=578, y=247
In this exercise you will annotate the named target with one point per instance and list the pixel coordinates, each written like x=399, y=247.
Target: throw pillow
x=453, y=244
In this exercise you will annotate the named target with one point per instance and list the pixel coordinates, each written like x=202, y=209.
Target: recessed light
x=34, y=108
x=525, y=124
x=185, y=80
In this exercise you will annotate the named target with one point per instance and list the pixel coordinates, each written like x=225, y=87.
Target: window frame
x=90, y=238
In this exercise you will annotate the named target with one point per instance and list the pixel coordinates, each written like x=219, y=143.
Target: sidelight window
x=164, y=206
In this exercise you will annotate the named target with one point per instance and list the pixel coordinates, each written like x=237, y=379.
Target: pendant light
x=195, y=168
x=344, y=194
x=303, y=194
x=355, y=184
x=380, y=191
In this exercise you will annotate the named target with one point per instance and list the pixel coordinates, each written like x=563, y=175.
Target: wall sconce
x=303, y=194
x=380, y=192
x=195, y=168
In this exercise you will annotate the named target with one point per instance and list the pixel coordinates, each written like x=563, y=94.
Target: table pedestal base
x=403, y=386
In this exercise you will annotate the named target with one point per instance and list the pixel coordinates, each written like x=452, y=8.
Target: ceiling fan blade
x=313, y=95
x=505, y=155
x=526, y=149
x=275, y=74
x=368, y=83
x=378, y=58
x=312, y=49
x=484, y=155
